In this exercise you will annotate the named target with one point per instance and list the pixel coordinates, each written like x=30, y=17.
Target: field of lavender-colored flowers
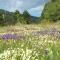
x=30, y=42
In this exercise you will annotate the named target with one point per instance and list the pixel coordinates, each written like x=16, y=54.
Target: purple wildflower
x=11, y=36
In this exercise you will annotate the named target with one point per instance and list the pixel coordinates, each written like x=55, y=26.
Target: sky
x=34, y=7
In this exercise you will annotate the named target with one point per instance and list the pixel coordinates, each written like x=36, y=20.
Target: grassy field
x=30, y=42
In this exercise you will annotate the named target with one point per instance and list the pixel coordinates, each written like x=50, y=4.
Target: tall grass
x=33, y=47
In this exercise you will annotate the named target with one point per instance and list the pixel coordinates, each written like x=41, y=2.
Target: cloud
x=37, y=10
x=21, y=5
x=11, y=5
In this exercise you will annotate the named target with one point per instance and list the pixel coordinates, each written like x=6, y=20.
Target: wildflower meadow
x=30, y=42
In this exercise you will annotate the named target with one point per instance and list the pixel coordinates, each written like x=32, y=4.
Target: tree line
x=11, y=18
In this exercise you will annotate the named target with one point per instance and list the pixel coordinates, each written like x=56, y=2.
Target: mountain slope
x=51, y=11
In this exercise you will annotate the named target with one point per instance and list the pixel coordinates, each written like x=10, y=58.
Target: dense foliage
x=51, y=11
x=11, y=18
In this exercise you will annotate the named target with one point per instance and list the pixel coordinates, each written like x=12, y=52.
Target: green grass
x=30, y=48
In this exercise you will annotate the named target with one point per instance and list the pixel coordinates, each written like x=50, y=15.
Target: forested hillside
x=11, y=18
x=51, y=11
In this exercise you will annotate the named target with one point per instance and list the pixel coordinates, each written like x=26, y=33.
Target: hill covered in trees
x=11, y=18
x=51, y=11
